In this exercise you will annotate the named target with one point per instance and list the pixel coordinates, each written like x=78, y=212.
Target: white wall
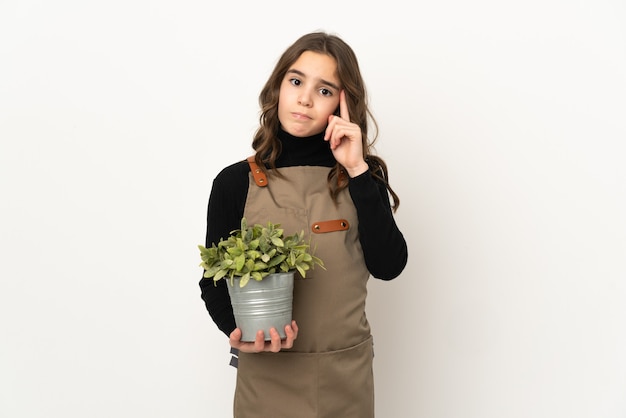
x=502, y=123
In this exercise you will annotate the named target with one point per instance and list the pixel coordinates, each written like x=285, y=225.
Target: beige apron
x=328, y=372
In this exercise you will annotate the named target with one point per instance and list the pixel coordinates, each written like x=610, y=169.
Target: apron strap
x=259, y=176
x=261, y=179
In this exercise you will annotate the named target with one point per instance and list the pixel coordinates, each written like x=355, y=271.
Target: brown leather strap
x=259, y=176
x=341, y=177
x=330, y=226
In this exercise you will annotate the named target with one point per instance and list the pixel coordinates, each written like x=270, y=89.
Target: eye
x=295, y=81
x=326, y=92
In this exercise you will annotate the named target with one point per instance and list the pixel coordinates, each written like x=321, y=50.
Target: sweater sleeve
x=384, y=246
x=225, y=210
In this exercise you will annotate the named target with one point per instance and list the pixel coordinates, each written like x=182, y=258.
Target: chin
x=300, y=132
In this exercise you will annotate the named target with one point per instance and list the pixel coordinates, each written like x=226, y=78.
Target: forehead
x=316, y=66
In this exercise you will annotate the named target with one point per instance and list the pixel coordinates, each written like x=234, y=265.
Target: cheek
x=283, y=100
x=332, y=109
x=282, y=106
x=281, y=113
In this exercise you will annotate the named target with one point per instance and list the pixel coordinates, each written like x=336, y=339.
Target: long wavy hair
x=266, y=144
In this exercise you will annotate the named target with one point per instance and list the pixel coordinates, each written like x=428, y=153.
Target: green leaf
x=212, y=271
x=253, y=254
x=249, y=265
x=276, y=260
x=244, y=280
x=264, y=244
x=204, y=251
x=277, y=242
x=219, y=275
x=301, y=270
x=259, y=266
x=248, y=235
x=240, y=261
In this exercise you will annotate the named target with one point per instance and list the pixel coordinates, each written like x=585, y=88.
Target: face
x=309, y=94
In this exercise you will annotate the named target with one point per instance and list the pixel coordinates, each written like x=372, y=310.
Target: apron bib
x=328, y=372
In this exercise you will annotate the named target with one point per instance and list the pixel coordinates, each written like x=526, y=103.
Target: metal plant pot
x=261, y=305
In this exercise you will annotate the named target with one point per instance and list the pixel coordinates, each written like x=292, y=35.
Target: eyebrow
x=300, y=73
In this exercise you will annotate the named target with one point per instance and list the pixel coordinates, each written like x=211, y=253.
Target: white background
x=503, y=124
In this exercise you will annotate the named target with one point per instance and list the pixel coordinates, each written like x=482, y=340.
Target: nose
x=304, y=99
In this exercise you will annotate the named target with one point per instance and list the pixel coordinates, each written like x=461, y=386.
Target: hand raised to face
x=346, y=139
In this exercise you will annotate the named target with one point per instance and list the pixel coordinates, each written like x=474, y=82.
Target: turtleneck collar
x=310, y=150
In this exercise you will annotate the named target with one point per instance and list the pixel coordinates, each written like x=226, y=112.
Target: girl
x=313, y=147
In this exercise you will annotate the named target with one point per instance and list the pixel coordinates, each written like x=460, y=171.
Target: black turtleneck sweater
x=384, y=247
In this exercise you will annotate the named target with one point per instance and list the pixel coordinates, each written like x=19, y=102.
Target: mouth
x=300, y=116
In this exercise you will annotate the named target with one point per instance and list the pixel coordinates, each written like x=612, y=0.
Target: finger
x=329, y=129
x=275, y=340
x=235, y=338
x=259, y=342
x=294, y=326
x=343, y=106
x=288, y=342
x=338, y=134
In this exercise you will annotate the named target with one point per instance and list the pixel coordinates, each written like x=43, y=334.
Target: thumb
x=235, y=336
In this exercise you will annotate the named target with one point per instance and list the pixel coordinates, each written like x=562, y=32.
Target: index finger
x=343, y=106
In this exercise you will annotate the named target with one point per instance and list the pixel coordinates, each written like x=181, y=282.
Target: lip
x=299, y=116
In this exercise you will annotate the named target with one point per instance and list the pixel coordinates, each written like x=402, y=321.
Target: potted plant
x=259, y=263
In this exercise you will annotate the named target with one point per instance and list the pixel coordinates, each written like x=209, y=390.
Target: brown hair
x=265, y=141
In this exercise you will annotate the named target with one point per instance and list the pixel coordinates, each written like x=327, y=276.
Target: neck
x=310, y=150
